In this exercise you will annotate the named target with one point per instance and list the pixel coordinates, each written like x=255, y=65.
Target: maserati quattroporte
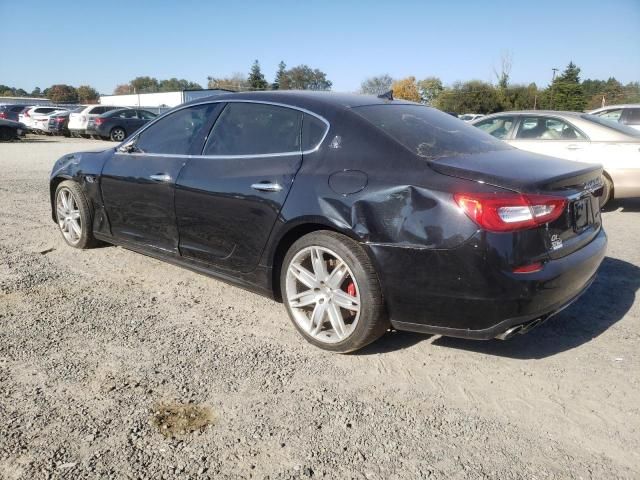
x=360, y=213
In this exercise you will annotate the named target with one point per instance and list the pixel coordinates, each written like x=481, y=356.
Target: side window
x=175, y=133
x=255, y=129
x=632, y=117
x=542, y=128
x=612, y=115
x=143, y=114
x=97, y=111
x=499, y=127
x=313, y=130
x=127, y=114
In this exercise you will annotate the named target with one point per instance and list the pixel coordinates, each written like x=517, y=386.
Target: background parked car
x=575, y=136
x=10, y=129
x=11, y=112
x=117, y=125
x=57, y=124
x=30, y=116
x=79, y=118
x=625, y=114
x=470, y=117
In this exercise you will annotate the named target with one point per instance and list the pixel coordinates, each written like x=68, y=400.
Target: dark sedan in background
x=11, y=112
x=10, y=130
x=117, y=125
x=358, y=212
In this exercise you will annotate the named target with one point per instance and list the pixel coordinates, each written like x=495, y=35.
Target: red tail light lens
x=3, y=114
x=59, y=119
x=98, y=121
x=510, y=212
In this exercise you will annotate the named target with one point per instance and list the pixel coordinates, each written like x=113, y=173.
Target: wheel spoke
x=304, y=299
x=61, y=212
x=318, y=264
x=65, y=200
x=317, y=318
x=75, y=226
x=75, y=214
x=337, y=322
x=337, y=275
x=303, y=275
x=346, y=301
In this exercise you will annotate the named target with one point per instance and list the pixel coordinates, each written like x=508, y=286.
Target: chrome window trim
x=258, y=155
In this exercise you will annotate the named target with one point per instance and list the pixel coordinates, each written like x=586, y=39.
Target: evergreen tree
x=256, y=78
x=565, y=92
x=280, y=82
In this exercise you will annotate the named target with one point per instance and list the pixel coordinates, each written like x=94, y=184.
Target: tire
x=607, y=192
x=74, y=217
x=349, y=278
x=6, y=134
x=117, y=134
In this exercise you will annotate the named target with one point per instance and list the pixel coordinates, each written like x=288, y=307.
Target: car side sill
x=180, y=262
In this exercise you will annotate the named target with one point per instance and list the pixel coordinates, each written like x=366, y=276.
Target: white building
x=157, y=100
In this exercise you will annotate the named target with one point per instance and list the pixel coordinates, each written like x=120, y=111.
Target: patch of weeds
x=174, y=419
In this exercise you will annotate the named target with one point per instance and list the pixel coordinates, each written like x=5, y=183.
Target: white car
x=470, y=117
x=628, y=115
x=33, y=116
x=79, y=118
x=575, y=136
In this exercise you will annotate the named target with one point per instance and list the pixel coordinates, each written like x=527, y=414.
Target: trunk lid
x=579, y=183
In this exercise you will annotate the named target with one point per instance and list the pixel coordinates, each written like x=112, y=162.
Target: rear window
x=629, y=131
x=429, y=133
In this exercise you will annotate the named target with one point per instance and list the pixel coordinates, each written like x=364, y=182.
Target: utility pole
x=553, y=77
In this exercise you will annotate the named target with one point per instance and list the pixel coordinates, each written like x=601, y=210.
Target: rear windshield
x=629, y=131
x=429, y=133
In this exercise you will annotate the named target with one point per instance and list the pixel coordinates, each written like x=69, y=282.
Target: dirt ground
x=99, y=348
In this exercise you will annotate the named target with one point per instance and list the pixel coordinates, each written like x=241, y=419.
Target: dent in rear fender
x=405, y=216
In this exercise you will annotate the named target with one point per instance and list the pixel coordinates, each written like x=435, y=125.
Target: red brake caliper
x=351, y=289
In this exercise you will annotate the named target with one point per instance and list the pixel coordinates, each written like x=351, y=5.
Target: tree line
x=565, y=92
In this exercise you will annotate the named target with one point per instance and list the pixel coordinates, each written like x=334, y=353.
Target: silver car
x=575, y=136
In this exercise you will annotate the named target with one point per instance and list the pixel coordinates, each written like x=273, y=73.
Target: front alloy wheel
x=74, y=215
x=69, y=219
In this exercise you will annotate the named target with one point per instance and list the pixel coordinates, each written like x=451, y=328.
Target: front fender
x=85, y=169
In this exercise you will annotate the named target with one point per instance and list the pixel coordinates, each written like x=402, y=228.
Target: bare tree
x=503, y=73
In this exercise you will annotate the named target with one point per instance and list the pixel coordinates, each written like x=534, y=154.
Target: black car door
x=228, y=199
x=138, y=180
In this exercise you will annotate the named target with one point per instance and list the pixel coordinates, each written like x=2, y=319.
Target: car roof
x=304, y=98
x=612, y=107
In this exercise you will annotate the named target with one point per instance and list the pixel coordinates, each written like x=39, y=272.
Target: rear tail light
x=510, y=212
x=3, y=114
x=531, y=268
x=58, y=119
x=26, y=113
x=98, y=121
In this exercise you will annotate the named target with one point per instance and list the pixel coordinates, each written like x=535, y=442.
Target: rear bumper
x=461, y=293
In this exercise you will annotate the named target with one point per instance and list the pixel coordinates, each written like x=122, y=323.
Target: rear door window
x=545, y=128
x=255, y=129
x=427, y=132
x=498, y=127
x=611, y=115
x=144, y=115
x=177, y=132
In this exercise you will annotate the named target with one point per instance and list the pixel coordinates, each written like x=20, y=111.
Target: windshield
x=429, y=133
x=631, y=132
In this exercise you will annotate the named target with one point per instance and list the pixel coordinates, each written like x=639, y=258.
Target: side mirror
x=128, y=147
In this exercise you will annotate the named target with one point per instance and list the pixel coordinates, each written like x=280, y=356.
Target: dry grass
x=174, y=419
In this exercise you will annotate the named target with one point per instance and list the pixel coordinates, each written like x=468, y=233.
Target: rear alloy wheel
x=74, y=215
x=332, y=293
x=117, y=134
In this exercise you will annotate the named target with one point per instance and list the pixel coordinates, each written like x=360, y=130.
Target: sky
x=104, y=44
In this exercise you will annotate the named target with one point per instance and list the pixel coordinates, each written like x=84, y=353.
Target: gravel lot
x=99, y=347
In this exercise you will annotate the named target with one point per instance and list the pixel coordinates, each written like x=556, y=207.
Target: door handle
x=267, y=187
x=161, y=177
x=574, y=147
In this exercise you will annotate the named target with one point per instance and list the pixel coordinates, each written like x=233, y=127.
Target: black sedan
x=117, y=125
x=359, y=213
x=10, y=130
